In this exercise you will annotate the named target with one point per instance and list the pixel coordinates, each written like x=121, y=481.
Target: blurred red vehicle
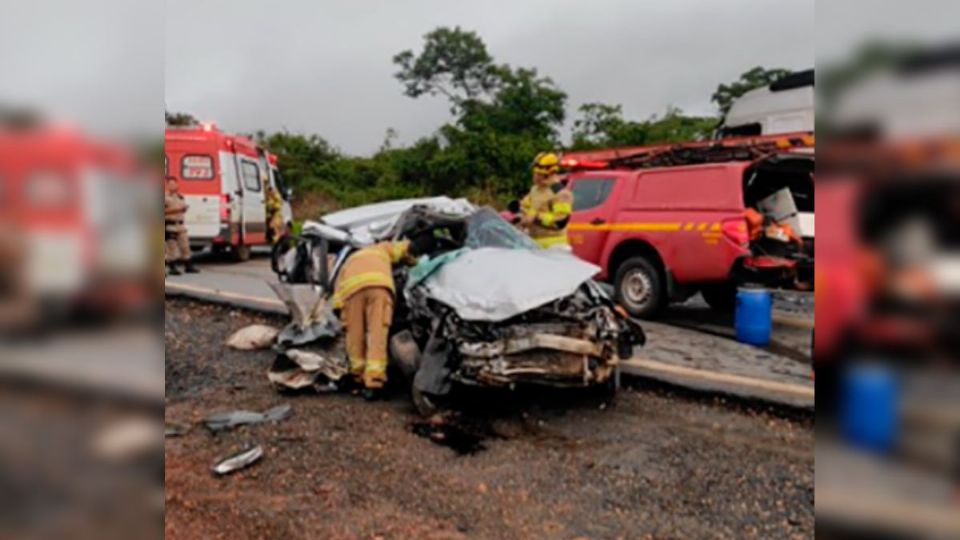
x=75, y=211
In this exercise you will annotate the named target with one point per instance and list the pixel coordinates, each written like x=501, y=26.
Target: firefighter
x=364, y=294
x=177, y=242
x=546, y=209
x=274, y=214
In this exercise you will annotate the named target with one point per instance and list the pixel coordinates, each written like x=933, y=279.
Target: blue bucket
x=754, y=316
x=869, y=407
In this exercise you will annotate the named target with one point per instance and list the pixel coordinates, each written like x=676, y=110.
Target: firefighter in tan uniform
x=546, y=209
x=364, y=293
x=177, y=243
x=274, y=214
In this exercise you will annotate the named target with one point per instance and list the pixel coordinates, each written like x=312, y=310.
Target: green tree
x=454, y=63
x=503, y=115
x=602, y=125
x=756, y=77
x=307, y=161
x=179, y=119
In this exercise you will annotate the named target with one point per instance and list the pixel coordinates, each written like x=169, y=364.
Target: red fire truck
x=223, y=178
x=666, y=221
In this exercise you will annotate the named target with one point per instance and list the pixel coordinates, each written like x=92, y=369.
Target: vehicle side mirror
x=514, y=206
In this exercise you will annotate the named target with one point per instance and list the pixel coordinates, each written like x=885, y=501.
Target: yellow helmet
x=546, y=163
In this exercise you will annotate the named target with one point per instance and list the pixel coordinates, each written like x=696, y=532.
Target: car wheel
x=241, y=253
x=720, y=296
x=639, y=287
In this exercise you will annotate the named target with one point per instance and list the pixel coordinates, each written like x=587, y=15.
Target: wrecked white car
x=488, y=308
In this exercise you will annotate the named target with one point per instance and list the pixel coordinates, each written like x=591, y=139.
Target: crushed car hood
x=496, y=284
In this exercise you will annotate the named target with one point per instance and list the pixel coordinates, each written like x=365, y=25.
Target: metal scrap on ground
x=238, y=461
x=231, y=419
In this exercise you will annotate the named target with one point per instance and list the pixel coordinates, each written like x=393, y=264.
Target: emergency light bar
x=569, y=163
x=666, y=155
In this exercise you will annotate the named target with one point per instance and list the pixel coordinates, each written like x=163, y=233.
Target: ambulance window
x=251, y=176
x=196, y=167
x=590, y=192
x=278, y=180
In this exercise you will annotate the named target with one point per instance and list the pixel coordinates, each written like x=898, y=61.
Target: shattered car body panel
x=576, y=340
x=501, y=313
x=474, y=285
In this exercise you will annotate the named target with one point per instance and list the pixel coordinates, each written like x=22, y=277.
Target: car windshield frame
x=486, y=228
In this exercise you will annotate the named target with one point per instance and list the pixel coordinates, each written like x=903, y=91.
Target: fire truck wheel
x=241, y=253
x=720, y=296
x=639, y=287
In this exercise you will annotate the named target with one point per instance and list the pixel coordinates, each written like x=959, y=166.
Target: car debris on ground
x=460, y=319
x=173, y=429
x=253, y=337
x=311, y=314
x=295, y=369
x=228, y=420
x=238, y=461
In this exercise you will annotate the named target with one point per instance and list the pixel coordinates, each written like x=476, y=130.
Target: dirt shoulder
x=651, y=465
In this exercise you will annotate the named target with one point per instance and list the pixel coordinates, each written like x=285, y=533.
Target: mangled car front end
x=489, y=308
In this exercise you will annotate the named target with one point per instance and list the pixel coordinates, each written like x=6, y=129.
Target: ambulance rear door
x=253, y=204
x=200, y=186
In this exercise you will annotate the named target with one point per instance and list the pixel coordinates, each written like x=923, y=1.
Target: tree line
x=501, y=116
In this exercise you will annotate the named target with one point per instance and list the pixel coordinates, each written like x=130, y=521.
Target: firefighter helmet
x=546, y=163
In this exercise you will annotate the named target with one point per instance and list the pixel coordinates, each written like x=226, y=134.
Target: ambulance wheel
x=638, y=287
x=241, y=253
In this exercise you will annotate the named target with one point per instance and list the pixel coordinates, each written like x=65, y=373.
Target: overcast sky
x=325, y=66
x=96, y=63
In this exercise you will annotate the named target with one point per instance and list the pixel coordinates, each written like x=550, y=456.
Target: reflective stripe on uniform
x=364, y=253
x=546, y=242
x=376, y=367
x=562, y=208
x=360, y=281
x=357, y=366
x=375, y=374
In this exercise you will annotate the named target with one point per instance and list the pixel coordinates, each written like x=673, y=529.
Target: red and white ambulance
x=223, y=178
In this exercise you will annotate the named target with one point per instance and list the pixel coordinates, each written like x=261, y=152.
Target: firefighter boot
x=372, y=394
